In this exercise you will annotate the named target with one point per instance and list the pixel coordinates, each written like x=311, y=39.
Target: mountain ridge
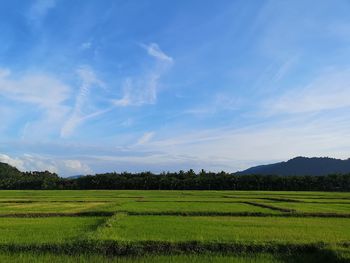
x=300, y=165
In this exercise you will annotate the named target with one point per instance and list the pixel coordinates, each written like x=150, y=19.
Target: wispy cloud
x=219, y=103
x=145, y=138
x=88, y=81
x=154, y=50
x=229, y=148
x=42, y=91
x=143, y=89
x=4, y=72
x=286, y=66
x=340, y=29
x=229, y=98
x=236, y=148
x=139, y=91
x=86, y=45
x=39, y=9
x=330, y=90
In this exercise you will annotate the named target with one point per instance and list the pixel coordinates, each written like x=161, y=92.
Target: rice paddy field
x=174, y=226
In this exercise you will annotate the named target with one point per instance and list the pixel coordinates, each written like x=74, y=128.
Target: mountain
x=75, y=176
x=8, y=170
x=303, y=166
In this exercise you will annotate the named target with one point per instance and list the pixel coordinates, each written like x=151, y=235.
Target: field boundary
x=112, y=247
x=287, y=200
x=174, y=213
x=238, y=214
x=275, y=208
x=76, y=214
x=193, y=201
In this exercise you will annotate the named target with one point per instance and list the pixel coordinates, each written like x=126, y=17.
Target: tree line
x=11, y=178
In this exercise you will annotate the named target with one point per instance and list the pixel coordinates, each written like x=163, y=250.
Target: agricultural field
x=174, y=226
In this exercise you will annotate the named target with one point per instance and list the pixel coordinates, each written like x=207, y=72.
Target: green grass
x=135, y=194
x=186, y=207
x=51, y=207
x=210, y=258
x=151, y=224
x=313, y=207
x=53, y=230
x=227, y=229
x=190, y=258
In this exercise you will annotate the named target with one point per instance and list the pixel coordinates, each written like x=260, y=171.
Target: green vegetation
x=11, y=178
x=191, y=207
x=43, y=207
x=174, y=226
x=332, y=207
x=228, y=229
x=211, y=258
x=49, y=230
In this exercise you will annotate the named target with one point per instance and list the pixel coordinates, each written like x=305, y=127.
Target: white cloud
x=286, y=66
x=40, y=8
x=12, y=161
x=126, y=100
x=40, y=90
x=143, y=89
x=48, y=102
x=65, y=167
x=89, y=77
x=139, y=91
x=4, y=72
x=236, y=149
x=154, y=50
x=89, y=80
x=77, y=167
x=224, y=148
x=127, y=123
x=29, y=163
x=145, y=138
x=218, y=103
x=340, y=29
x=331, y=90
x=86, y=45
x=36, y=163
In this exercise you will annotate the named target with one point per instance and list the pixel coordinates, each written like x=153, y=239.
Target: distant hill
x=8, y=170
x=303, y=166
x=75, y=176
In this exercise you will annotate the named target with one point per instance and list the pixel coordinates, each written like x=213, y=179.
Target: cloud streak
x=88, y=81
x=145, y=138
x=154, y=50
x=141, y=90
x=39, y=9
x=329, y=91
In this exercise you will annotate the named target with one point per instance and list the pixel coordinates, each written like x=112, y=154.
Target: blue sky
x=94, y=86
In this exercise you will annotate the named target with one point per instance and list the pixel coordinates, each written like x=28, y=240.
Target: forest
x=12, y=178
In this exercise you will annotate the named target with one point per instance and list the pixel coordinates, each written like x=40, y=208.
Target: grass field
x=46, y=230
x=212, y=258
x=228, y=229
x=174, y=226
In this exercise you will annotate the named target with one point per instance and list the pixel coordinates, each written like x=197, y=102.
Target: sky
x=92, y=86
